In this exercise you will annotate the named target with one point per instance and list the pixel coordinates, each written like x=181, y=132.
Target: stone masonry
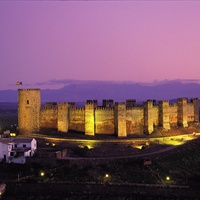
x=119, y=118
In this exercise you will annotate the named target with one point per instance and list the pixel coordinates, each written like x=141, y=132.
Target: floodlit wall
x=164, y=114
x=173, y=115
x=182, y=112
x=135, y=120
x=155, y=115
x=148, y=117
x=104, y=120
x=121, y=119
x=190, y=112
x=63, y=117
x=195, y=102
x=193, y=110
x=89, y=118
x=48, y=118
x=77, y=119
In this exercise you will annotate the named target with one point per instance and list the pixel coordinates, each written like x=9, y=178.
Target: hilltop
x=80, y=91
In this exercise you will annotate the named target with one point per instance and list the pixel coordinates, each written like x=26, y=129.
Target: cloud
x=55, y=82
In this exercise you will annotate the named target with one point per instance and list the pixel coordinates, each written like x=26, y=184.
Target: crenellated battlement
x=62, y=103
x=91, y=101
x=173, y=104
x=135, y=108
x=104, y=108
x=150, y=101
x=120, y=103
x=163, y=101
x=120, y=118
x=48, y=108
x=194, y=99
x=77, y=109
x=29, y=89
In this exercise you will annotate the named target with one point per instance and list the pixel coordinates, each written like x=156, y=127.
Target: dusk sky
x=139, y=41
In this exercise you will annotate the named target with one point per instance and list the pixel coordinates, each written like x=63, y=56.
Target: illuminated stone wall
x=182, y=112
x=164, y=114
x=48, y=119
x=173, y=114
x=155, y=115
x=135, y=120
x=104, y=120
x=149, y=114
x=77, y=119
x=195, y=102
x=193, y=110
x=63, y=117
x=89, y=118
x=120, y=119
x=190, y=112
x=28, y=110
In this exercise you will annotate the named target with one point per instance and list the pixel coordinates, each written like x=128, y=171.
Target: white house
x=25, y=146
x=16, y=150
x=6, y=149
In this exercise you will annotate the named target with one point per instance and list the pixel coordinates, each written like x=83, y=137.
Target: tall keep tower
x=28, y=110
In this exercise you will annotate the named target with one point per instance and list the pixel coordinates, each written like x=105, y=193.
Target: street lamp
x=41, y=173
x=107, y=175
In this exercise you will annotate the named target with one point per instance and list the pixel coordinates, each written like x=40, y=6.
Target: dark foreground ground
x=86, y=179
x=64, y=191
x=128, y=177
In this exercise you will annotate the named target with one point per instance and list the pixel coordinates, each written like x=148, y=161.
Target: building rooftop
x=6, y=141
x=22, y=140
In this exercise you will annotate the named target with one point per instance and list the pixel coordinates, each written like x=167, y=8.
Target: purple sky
x=101, y=40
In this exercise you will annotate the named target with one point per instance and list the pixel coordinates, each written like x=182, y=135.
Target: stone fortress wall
x=122, y=119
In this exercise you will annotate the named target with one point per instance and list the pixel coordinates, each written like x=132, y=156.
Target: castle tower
x=130, y=103
x=108, y=103
x=164, y=114
x=120, y=119
x=28, y=110
x=63, y=117
x=148, y=117
x=182, y=112
x=195, y=102
x=89, y=118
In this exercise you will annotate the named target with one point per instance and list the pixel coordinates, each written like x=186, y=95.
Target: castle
x=121, y=119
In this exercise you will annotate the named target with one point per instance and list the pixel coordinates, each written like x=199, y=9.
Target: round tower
x=28, y=110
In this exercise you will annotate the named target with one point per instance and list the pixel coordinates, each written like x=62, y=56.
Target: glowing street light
x=41, y=173
x=107, y=175
x=167, y=178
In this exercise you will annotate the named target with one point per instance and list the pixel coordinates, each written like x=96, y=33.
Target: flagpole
x=19, y=83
